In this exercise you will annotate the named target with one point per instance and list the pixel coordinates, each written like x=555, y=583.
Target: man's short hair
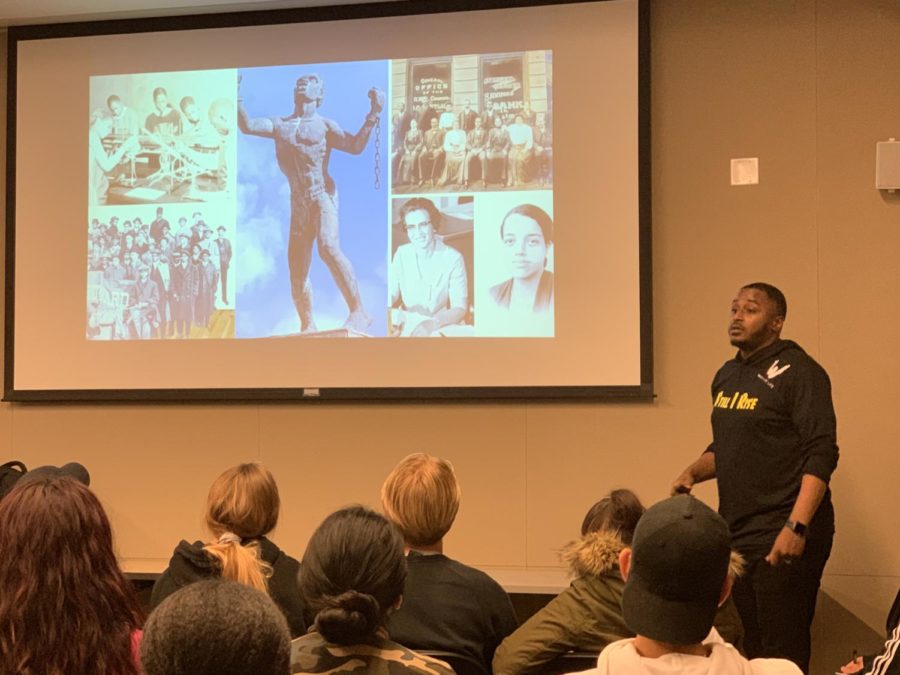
x=185, y=102
x=216, y=626
x=421, y=496
x=112, y=99
x=775, y=295
x=680, y=557
x=158, y=91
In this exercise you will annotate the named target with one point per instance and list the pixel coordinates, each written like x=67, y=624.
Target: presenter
x=303, y=144
x=773, y=452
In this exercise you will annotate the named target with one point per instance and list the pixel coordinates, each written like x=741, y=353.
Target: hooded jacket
x=773, y=421
x=587, y=616
x=191, y=563
x=621, y=658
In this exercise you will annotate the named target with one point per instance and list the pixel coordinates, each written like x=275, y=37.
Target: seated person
x=411, y=148
x=164, y=119
x=454, y=154
x=65, y=606
x=888, y=661
x=496, y=152
x=476, y=140
x=431, y=157
x=587, y=616
x=241, y=509
x=447, y=605
x=427, y=278
x=103, y=161
x=521, y=148
x=676, y=575
x=215, y=627
x=352, y=579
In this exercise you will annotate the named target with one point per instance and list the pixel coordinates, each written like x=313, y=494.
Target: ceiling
x=22, y=12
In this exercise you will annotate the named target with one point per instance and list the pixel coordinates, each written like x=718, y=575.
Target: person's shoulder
x=500, y=292
x=450, y=253
x=474, y=576
x=412, y=662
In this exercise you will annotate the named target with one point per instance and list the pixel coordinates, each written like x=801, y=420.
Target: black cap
x=679, y=561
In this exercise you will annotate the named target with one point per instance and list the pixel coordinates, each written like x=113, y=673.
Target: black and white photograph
x=432, y=267
x=515, y=270
x=473, y=123
x=160, y=272
x=162, y=137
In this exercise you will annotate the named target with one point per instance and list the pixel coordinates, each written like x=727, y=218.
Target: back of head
x=353, y=573
x=216, y=627
x=421, y=496
x=65, y=604
x=679, y=560
x=618, y=513
x=242, y=506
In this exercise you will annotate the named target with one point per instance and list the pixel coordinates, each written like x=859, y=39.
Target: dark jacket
x=586, y=616
x=191, y=563
x=449, y=606
x=773, y=421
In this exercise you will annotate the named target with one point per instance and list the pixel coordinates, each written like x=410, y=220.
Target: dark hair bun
x=349, y=618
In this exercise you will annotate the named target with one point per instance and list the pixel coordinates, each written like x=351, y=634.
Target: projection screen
x=370, y=201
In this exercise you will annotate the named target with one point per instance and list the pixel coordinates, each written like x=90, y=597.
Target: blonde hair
x=243, y=501
x=421, y=496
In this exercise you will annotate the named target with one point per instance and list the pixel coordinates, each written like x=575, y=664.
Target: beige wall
x=808, y=86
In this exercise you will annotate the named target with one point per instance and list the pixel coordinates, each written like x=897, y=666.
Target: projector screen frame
x=642, y=392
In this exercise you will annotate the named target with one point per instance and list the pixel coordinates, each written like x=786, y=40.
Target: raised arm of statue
x=356, y=143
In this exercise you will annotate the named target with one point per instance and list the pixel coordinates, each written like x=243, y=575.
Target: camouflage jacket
x=311, y=654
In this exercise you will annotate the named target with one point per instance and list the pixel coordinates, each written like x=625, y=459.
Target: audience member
x=887, y=662
x=587, y=616
x=241, y=509
x=216, y=627
x=352, y=579
x=676, y=576
x=65, y=606
x=447, y=605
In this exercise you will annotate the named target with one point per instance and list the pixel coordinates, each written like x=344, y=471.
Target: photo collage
x=402, y=198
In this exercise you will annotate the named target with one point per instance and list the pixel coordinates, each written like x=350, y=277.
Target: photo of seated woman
x=515, y=273
x=431, y=267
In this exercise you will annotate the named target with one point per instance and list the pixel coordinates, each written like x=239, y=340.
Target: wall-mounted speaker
x=887, y=165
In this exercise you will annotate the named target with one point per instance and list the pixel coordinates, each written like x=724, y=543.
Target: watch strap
x=796, y=527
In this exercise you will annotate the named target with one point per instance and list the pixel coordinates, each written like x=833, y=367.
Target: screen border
x=642, y=392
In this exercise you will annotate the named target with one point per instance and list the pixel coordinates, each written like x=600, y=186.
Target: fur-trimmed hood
x=594, y=554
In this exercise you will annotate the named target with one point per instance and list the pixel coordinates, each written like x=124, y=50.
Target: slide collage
x=392, y=198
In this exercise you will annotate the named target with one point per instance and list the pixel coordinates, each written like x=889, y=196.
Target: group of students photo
x=439, y=147
x=374, y=592
x=160, y=137
x=149, y=279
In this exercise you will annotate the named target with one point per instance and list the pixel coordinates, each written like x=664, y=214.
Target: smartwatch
x=796, y=527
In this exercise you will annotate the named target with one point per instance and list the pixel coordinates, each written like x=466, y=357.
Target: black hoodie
x=191, y=563
x=772, y=421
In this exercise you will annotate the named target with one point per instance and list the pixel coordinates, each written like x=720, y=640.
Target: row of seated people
x=651, y=588
x=514, y=155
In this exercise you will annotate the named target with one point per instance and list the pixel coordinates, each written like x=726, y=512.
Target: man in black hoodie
x=773, y=452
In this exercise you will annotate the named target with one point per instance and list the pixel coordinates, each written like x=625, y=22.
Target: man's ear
x=777, y=324
x=625, y=563
x=726, y=589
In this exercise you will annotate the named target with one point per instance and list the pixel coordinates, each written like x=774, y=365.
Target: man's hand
x=376, y=96
x=788, y=547
x=683, y=483
x=855, y=666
